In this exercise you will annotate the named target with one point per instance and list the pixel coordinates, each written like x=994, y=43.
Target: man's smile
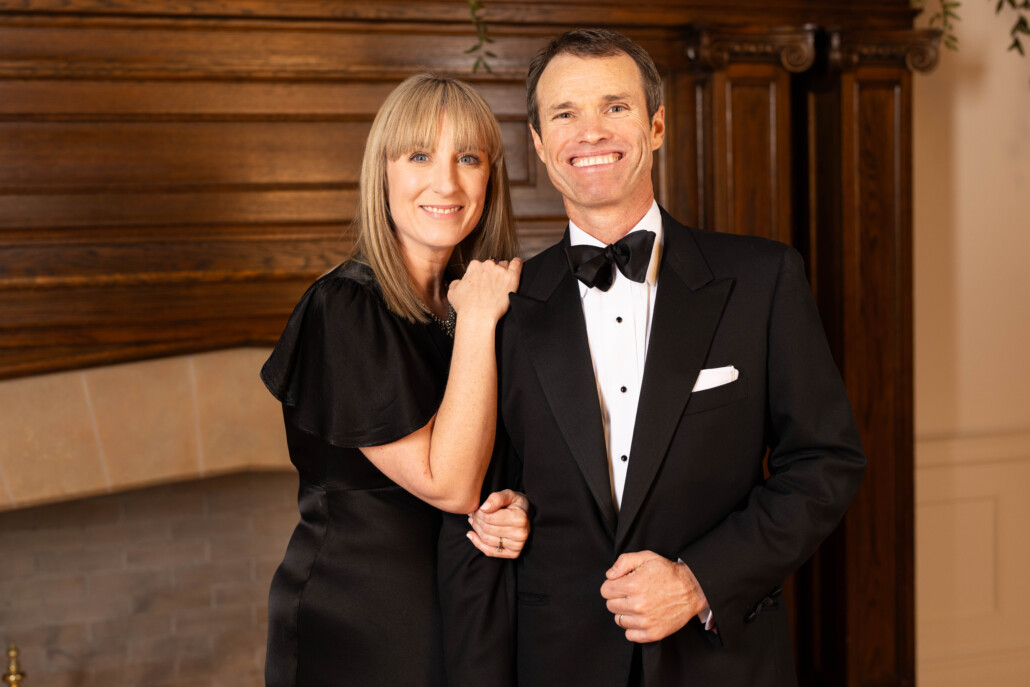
x=593, y=160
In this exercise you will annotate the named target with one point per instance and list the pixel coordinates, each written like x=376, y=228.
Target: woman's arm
x=444, y=462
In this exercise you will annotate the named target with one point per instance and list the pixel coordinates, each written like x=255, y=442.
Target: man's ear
x=538, y=144
x=658, y=128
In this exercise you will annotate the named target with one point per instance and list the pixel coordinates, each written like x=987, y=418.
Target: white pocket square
x=716, y=376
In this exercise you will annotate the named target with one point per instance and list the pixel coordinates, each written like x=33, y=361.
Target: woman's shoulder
x=349, y=277
x=349, y=288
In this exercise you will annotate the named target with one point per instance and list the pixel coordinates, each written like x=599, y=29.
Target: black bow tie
x=592, y=265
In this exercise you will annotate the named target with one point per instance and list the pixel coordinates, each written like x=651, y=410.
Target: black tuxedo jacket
x=695, y=488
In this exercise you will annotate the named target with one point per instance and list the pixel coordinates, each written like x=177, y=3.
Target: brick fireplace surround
x=162, y=578
x=159, y=586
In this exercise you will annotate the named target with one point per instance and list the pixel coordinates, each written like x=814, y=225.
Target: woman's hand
x=483, y=291
x=501, y=525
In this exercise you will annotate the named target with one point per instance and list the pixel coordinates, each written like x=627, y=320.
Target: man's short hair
x=593, y=43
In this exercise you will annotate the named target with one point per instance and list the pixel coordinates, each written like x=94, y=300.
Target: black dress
x=354, y=601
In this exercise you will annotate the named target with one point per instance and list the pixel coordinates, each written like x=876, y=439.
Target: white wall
x=972, y=359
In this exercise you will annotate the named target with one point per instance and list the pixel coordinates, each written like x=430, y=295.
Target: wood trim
x=556, y=13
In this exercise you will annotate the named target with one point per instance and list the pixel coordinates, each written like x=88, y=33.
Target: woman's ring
x=500, y=544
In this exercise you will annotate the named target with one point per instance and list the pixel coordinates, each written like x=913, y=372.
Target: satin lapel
x=687, y=312
x=553, y=333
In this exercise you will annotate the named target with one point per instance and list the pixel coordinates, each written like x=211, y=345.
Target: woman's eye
x=418, y=157
x=469, y=159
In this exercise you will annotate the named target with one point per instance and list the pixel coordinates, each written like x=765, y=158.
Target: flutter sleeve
x=350, y=371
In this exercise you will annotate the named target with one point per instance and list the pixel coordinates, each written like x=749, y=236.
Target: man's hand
x=650, y=596
x=501, y=524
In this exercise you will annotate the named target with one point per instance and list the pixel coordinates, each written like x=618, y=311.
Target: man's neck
x=609, y=224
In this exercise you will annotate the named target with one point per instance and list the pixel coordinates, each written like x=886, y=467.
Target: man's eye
x=563, y=115
x=617, y=108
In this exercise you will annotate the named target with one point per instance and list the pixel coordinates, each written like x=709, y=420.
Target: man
x=645, y=370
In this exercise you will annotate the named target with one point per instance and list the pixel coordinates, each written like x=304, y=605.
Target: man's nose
x=594, y=129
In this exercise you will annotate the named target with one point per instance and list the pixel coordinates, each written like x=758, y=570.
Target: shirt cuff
x=708, y=620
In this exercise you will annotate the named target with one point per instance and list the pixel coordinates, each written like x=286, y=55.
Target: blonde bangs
x=414, y=123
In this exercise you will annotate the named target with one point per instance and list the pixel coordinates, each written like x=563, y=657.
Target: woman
x=388, y=420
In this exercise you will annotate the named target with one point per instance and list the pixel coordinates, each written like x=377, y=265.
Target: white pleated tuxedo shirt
x=618, y=329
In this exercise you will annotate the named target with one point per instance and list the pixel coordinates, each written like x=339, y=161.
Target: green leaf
x=489, y=54
x=1016, y=45
x=997, y=8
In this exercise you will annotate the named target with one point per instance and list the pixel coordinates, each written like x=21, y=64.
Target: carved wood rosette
x=856, y=221
x=716, y=48
x=915, y=49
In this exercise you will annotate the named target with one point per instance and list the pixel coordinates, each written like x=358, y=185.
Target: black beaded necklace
x=449, y=324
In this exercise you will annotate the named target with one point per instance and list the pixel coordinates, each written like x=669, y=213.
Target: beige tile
x=146, y=419
x=241, y=424
x=48, y=450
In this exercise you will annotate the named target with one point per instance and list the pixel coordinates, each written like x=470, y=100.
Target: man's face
x=595, y=136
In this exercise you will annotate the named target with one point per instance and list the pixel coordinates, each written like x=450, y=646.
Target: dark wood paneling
x=877, y=368
x=857, y=220
x=751, y=128
x=25, y=216
x=148, y=164
x=174, y=154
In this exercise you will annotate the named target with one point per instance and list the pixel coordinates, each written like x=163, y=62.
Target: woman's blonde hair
x=410, y=120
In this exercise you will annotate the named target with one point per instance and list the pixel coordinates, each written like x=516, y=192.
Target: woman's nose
x=445, y=177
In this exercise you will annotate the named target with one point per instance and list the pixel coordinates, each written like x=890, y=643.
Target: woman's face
x=437, y=196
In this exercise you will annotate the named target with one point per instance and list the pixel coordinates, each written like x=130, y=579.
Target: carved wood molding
x=555, y=13
x=791, y=47
x=916, y=49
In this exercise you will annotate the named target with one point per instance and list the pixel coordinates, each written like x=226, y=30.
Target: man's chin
x=596, y=196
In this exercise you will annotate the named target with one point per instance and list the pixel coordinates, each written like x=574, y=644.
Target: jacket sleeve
x=477, y=594
x=815, y=465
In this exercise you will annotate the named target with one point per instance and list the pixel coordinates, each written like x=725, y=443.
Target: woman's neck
x=427, y=276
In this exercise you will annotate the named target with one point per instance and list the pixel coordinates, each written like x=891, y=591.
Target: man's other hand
x=651, y=596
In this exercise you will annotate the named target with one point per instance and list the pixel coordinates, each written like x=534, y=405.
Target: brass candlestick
x=13, y=676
